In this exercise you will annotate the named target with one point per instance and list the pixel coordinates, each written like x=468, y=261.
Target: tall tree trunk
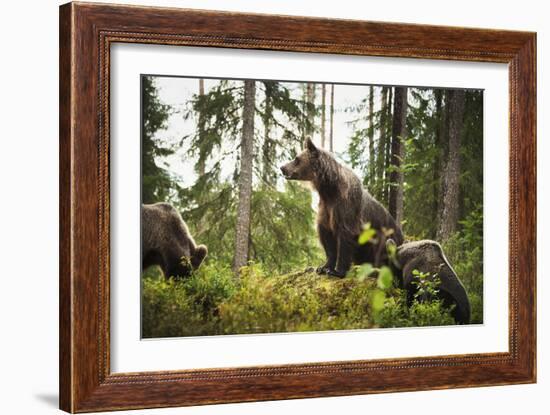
x=310, y=97
x=438, y=140
x=450, y=180
x=201, y=164
x=303, y=116
x=242, y=231
x=387, y=148
x=331, y=140
x=201, y=224
x=399, y=132
x=381, y=153
x=323, y=115
x=268, y=149
x=372, y=167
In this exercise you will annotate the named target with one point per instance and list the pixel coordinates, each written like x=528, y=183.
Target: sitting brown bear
x=344, y=207
x=166, y=241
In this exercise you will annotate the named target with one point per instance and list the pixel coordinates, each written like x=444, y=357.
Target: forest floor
x=214, y=301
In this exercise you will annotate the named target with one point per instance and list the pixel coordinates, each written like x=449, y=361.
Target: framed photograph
x=258, y=207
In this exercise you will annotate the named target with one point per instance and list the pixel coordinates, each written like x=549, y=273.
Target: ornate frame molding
x=86, y=33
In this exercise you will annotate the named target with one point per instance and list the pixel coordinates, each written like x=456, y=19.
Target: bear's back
x=427, y=256
x=162, y=226
x=378, y=216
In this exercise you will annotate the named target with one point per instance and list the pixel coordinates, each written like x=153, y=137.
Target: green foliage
x=277, y=215
x=187, y=307
x=157, y=182
x=426, y=313
x=361, y=272
x=366, y=234
x=279, y=212
x=385, y=278
x=375, y=167
x=270, y=295
x=465, y=252
x=429, y=313
x=287, y=216
x=213, y=301
x=426, y=285
x=210, y=286
x=424, y=152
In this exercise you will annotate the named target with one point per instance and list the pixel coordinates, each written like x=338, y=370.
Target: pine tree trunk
x=201, y=164
x=438, y=138
x=242, y=231
x=372, y=167
x=399, y=132
x=268, y=149
x=331, y=141
x=381, y=153
x=323, y=115
x=450, y=180
x=387, y=147
x=310, y=97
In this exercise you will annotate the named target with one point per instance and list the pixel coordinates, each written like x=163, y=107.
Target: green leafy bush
x=427, y=313
x=215, y=301
x=465, y=253
x=189, y=307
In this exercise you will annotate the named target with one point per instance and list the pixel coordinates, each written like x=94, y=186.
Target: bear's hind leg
x=330, y=246
x=346, y=249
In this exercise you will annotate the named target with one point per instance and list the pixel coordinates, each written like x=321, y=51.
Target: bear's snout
x=284, y=170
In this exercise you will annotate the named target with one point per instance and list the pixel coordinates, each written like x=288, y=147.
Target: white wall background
x=29, y=208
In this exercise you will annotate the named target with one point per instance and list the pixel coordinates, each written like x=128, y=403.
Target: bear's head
x=303, y=167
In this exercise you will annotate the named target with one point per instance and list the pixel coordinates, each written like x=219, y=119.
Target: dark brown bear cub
x=428, y=257
x=344, y=207
x=166, y=241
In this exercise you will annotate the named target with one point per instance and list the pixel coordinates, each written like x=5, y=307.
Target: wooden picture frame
x=86, y=33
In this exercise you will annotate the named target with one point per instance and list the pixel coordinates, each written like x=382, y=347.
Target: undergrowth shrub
x=464, y=250
x=426, y=313
x=178, y=308
x=215, y=301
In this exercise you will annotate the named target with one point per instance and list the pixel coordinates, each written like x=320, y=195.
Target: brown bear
x=428, y=257
x=344, y=207
x=166, y=241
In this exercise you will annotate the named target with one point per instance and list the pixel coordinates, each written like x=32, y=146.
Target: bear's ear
x=310, y=146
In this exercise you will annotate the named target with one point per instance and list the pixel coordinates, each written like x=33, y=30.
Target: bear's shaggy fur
x=344, y=207
x=428, y=257
x=166, y=241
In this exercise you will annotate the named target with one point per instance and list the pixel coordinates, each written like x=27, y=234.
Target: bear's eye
x=297, y=160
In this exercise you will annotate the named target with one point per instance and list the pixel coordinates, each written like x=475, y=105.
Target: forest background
x=213, y=147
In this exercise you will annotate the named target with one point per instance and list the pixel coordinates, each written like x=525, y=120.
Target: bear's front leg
x=344, y=258
x=331, y=248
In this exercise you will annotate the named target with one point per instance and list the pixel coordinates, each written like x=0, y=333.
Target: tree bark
x=438, y=140
x=268, y=149
x=201, y=164
x=381, y=153
x=399, y=132
x=450, y=180
x=310, y=97
x=323, y=115
x=387, y=148
x=242, y=231
x=372, y=167
x=331, y=141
